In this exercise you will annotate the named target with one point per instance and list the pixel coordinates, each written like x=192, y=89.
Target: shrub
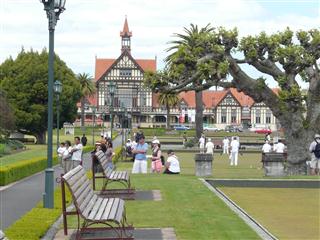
x=190, y=143
x=117, y=156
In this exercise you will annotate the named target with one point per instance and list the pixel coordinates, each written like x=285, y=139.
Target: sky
x=91, y=28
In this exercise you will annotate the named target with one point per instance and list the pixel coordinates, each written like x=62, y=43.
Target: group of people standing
x=140, y=164
x=70, y=156
x=229, y=148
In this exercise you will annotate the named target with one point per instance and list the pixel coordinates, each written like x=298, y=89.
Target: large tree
x=7, y=123
x=25, y=82
x=184, y=73
x=87, y=89
x=284, y=57
x=169, y=100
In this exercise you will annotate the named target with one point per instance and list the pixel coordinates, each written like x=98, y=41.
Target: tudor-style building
x=222, y=108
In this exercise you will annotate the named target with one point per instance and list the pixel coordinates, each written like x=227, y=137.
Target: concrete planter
x=203, y=164
x=273, y=164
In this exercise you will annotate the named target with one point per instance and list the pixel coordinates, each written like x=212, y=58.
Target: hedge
x=22, y=169
x=35, y=223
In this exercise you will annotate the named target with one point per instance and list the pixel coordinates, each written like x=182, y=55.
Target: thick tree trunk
x=199, y=114
x=298, y=151
x=168, y=117
x=41, y=137
x=298, y=139
x=82, y=111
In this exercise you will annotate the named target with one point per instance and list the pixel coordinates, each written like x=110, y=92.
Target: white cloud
x=89, y=28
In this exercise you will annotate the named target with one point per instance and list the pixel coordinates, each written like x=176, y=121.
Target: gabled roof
x=210, y=98
x=244, y=100
x=92, y=100
x=103, y=65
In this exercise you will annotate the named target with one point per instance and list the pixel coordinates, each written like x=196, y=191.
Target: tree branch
x=268, y=67
x=251, y=87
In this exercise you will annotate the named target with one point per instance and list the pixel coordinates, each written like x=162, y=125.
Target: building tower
x=125, y=37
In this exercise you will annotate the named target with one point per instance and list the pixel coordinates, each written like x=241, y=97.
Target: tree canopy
x=25, y=82
x=7, y=123
x=284, y=56
x=87, y=88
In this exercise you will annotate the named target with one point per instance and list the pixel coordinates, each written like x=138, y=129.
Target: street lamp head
x=53, y=8
x=59, y=5
x=57, y=87
x=112, y=87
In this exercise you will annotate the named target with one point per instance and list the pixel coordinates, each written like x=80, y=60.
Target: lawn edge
x=249, y=220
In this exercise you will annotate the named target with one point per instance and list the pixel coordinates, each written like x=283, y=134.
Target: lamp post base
x=48, y=195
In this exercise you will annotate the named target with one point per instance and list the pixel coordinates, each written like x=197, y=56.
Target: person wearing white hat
x=315, y=157
x=156, y=164
x=209, y=146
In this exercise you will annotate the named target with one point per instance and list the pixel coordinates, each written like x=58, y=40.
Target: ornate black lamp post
x=112, y=89
x=93, y=108
x=122, y=127
x=57, y=88
x=53, y=8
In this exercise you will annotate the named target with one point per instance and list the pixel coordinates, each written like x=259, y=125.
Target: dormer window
x=125, y=72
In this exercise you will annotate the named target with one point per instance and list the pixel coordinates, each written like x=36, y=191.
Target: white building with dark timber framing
x=222, y=108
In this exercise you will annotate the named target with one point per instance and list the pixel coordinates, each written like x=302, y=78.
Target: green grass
x=32, y=151
x=187, y=206
x=287, y=213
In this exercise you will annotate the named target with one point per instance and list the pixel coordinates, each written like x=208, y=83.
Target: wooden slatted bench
x=110, y=176
x=93, y=209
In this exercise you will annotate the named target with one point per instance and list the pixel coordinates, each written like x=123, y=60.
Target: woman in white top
x=172, y=164
x=66, y=157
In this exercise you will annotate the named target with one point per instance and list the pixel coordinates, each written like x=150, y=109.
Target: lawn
x=187, y=206
x=32, y=151
x=287, y=213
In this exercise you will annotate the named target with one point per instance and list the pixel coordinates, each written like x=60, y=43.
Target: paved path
x=22, y=196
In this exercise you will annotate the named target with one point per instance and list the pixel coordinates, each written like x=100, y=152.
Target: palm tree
x=191, y=41
x=169, y=100
x=88, y=88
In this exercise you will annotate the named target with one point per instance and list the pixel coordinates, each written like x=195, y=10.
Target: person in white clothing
x=66, y=157
x=60, y=152
x=172, y=165
x=234, y=145
x=280, y=147
x=266, y=148
x=76, y=152
x=225, y=144
x=210, y=146
x=315, y=157
x=201, y=143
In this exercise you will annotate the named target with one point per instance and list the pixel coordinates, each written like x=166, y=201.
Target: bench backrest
x=104, y=163
x=80, y=188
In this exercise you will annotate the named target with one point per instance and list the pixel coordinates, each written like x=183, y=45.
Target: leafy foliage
x=87, y=88
x=203, y=57
x=6, y=116
x=24, y=80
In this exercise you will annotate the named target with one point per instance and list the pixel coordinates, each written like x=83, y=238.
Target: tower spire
x=125, y=35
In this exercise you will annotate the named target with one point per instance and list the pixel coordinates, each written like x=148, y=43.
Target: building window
x=160, y=119
x=258, y=116
x=268, y=116
x=233, y=116
x=125, y=72
x=143, y=118
x=135, y=102
x=224, y=116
